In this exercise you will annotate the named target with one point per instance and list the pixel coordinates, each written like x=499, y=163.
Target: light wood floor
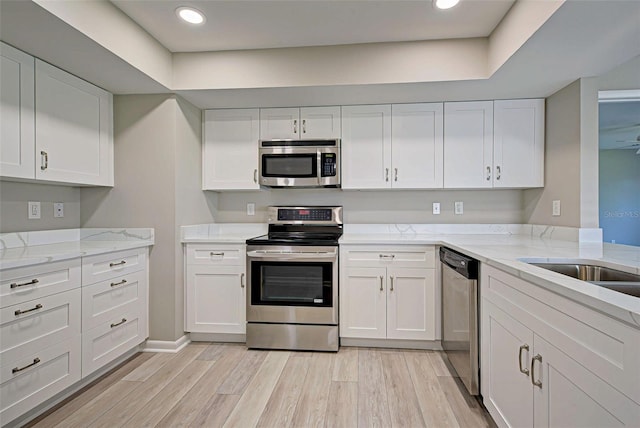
x=213, y=385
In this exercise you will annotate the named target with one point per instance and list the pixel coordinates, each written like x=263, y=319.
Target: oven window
x=289, y=284
x=291, y=165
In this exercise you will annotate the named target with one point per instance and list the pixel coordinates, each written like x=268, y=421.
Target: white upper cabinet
x=366, y=147
x=17, y=125
x=518, y=143
x=300, y=123
x=417, y=144
x=74, y=122
x=468, y=144
x=230, y=149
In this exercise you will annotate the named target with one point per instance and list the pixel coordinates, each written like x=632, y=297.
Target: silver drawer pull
x=381, y=279
x=124, y=320
x=16, y=285
x=255, y=175
x=524, y=370
x=537, y=383
x=115, y=284
x=242, y=280
x=44, y=161
x=391, y=283
x=16, y=369
x=217, y=254
x=386, y=174
x=387, y=256
x=118, y=264
x=35, y=308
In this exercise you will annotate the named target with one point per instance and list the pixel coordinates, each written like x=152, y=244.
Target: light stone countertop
x=33, y=248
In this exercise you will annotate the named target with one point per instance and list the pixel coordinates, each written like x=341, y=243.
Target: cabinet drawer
x=34, y=282
x=37, y=324
x=109, y=340
x=112, y=265
x=56, y=368
x=101, y=302
x=408, y=256
x=218, y=255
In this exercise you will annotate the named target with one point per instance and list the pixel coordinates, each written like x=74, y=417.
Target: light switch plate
x=34, y=210
x=458, y=207
x=436, y=208
x=556, y=208
x=251, y=208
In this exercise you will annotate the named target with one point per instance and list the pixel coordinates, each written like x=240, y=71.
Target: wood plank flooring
x=226, y=385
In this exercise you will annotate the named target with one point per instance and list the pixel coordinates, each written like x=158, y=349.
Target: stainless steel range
x=292, y=299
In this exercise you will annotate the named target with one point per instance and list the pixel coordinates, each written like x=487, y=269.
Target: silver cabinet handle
x=16, y=369
x=498, y=172
x=525, y=370
x=396, y=175
x=387, y=256
x=44, y=160
x=242, y=280
x=120, y=263
x=217, y=254
x=304, y=126
x=533, y=371
x=391, y=283
x=381, y=279
x=295, y=126
x=115, y=284
x=488, y=173
x=386, y=174
x=124, y=320
x=35, y=308
x=255, y=175
x=16, y=285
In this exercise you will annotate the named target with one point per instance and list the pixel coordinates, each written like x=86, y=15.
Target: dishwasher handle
x=464, y=265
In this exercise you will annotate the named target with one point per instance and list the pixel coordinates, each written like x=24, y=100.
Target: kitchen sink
x=613, y=279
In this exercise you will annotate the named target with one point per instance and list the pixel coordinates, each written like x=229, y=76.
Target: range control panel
x=305, y=215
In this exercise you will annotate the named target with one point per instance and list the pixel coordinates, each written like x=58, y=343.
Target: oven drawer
x=405, y=256
x=215, y=255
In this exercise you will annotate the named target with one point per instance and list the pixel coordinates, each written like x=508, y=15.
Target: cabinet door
x=571, y=395
x=320, y=122
x=363, y=303
x=518, y=143
x=74, y=142
x=216, y=300
x=507, y=392
x=468, y=144
x=417, y=144
x=279, y=123
x=366, y=147
x=17, y=125
x=411, y=304
x=230, y=150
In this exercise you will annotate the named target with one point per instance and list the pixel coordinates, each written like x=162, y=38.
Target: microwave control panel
x=328, y=162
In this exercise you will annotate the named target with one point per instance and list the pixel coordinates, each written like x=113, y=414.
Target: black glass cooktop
x=299, y=235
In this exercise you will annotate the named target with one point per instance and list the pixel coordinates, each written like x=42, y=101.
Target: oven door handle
x=291, y=255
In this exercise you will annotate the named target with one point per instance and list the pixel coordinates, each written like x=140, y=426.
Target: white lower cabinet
x=550, y=362
x=384, y=297
x=215, y=289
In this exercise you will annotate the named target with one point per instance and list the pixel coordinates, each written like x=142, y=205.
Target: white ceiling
x=235, y=25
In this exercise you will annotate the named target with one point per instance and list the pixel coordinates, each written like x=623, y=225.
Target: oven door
x=295, y=284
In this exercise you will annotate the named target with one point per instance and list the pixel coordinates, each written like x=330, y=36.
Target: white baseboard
x=166, y=345
x=431, y=345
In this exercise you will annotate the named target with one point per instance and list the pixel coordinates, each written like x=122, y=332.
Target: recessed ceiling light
x=190, y=15
x=445, y=4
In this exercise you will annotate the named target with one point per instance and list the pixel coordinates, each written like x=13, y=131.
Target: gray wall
x=392, y=206
x=157, y=184
x=14, y=198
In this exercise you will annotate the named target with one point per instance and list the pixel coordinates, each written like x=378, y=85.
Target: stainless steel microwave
x=299, y=163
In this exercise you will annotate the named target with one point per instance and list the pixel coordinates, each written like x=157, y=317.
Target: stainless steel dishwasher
x=460, y=316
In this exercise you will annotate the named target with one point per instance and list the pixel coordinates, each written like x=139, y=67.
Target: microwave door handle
x=319, y=170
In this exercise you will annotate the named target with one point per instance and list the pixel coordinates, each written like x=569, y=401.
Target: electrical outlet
x=436, y=208
x=251, y=208
x=458, y=207
x=556, y=208
x=58, y=210
x=34, y=210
